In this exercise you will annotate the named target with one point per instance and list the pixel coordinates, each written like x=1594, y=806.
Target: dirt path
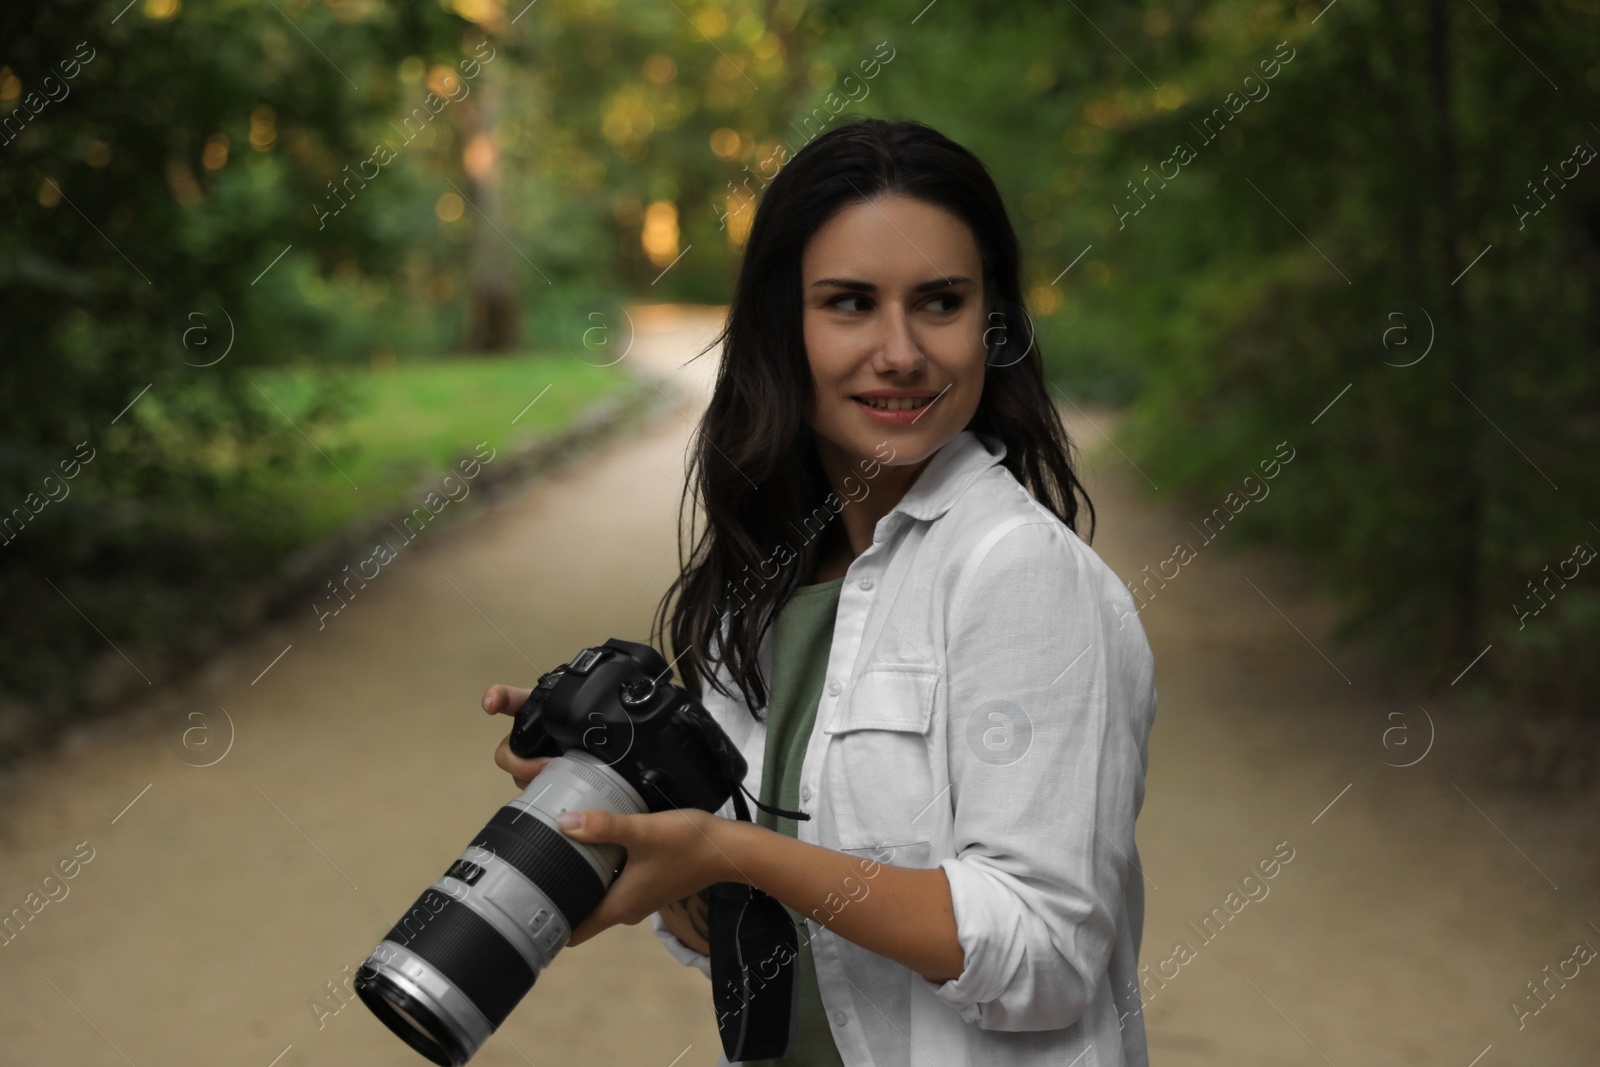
x=221, y=901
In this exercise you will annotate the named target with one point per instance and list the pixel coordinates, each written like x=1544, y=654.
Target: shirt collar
x=948, y=473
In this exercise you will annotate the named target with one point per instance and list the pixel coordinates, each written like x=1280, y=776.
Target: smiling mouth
x=895, y=403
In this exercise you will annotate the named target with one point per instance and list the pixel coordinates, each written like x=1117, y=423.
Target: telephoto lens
x=449, y=972
x=621, y=739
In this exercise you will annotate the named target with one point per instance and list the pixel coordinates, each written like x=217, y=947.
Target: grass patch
x=404, y=425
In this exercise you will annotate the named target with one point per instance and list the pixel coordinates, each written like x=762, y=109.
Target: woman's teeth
x=895, y=403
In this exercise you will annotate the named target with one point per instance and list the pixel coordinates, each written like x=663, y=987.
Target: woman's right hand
x=505, y=700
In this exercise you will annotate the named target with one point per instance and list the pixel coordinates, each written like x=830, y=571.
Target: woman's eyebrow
x=920, y=287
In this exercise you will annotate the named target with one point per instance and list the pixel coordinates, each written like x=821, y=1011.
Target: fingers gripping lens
x=544, y=857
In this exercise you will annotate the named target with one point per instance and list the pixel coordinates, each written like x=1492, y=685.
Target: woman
x=905, y=637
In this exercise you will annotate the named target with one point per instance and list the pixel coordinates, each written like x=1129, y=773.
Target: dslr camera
x=624, y=739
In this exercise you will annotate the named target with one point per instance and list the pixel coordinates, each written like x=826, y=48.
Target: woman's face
x=893, y=321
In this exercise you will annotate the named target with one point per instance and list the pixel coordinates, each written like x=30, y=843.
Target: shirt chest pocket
x=880, y=768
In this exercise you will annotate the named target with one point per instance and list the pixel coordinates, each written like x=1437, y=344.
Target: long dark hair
x=754, y=467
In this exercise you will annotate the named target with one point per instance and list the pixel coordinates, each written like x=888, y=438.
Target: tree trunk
x=1467, y=437
x=494, y=324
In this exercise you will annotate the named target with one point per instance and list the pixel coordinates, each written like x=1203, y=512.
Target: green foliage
x=225, y=203
x=1314, y=238
x=159, y=255
x=1348, y=221
x=1342, y=168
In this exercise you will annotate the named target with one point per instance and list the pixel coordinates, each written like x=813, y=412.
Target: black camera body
x=614, y=702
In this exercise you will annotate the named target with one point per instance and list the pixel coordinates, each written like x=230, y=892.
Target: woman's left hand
x=671, y=855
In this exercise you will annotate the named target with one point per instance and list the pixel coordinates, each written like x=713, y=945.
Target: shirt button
x=833, y=688
x=840, y=1018
x=805, y=792
x=866, y=583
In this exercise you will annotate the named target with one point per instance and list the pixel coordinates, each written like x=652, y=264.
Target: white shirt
x=988, y=702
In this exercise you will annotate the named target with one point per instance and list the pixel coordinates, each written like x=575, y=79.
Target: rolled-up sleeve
x=680, y=952
x=1051, y=697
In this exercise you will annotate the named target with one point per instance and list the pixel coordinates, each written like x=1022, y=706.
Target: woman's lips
x=894, y=418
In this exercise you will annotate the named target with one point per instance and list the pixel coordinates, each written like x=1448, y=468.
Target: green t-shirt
x=801, y=639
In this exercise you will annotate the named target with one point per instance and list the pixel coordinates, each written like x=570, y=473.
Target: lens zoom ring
x=546, y=858
x=475, y=957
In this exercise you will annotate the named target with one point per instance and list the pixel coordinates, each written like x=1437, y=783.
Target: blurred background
x=281, y=283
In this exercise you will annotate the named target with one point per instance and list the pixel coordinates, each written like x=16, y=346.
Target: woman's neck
x=833, y=556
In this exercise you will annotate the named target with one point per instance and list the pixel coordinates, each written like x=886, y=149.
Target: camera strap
x=743, y=812
x=754, y=946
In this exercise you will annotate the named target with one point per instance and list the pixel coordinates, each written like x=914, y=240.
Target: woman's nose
x=897, y=347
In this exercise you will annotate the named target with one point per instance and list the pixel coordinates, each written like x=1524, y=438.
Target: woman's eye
x=943, y=303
